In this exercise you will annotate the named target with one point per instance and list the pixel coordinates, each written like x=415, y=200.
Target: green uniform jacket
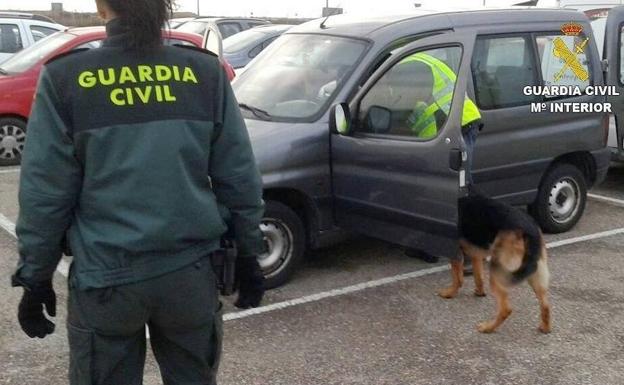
x=130, y=154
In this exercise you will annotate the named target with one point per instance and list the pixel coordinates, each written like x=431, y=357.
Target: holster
x=224, y=265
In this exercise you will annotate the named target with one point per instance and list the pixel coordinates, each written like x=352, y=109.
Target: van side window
x=564, y=60
x=413, y=98
x=501, y=68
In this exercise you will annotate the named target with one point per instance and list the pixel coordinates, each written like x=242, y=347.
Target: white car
x=20, y=30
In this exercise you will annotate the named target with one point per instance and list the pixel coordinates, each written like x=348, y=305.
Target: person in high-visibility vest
x=430, y=115
x=425, y=119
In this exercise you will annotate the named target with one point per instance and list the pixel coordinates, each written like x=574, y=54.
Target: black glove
x=30, y=312
x=250, y=283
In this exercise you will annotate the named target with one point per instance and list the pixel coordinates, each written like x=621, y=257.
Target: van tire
x=561, y=199
x=12, y=140
x=284, y=234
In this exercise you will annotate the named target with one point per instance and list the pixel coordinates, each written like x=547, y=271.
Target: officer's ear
x=104, y=10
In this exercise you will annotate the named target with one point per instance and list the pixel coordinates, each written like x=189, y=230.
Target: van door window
x=501, y=68
x=564, y=60
x=10, y=38
x=412, y=99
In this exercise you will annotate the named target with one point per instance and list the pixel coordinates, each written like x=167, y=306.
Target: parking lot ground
x=396, y=331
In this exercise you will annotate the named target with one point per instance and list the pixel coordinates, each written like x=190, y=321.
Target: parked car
x=226, y=26
x=21, y=30
x=353, y=167
x=19, y=75
x=243, y=47
x=175, y=23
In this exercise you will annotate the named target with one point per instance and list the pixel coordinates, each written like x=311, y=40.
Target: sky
x=275, y=8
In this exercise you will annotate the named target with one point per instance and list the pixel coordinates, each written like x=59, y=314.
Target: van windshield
x=298, y=75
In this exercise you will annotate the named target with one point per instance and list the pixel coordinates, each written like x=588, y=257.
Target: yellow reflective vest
x=422, y=120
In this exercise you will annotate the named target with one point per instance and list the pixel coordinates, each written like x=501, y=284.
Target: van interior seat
x=510, y=81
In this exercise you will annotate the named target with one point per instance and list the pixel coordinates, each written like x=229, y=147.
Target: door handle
x=455, y=159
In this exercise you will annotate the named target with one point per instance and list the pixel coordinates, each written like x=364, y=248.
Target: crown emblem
x=572, y=29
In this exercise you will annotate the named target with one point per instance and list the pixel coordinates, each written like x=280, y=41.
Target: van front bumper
x=602, y=159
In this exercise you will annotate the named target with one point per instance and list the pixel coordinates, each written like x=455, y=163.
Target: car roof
x=80, y=31
x=216, y=19
x=447, y=18
x=270, y=28
x=25, y=15
x=38, y=22
x=101, y=31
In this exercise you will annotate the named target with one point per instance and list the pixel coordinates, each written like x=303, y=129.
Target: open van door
x=213, y=41
x=395, y=175
x=615, y=74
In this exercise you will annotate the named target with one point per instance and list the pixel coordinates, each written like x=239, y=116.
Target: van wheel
x=561, y=199
x=12, y=140
x=284, y=235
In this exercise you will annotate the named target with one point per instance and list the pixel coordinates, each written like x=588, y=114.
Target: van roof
x=448, y=18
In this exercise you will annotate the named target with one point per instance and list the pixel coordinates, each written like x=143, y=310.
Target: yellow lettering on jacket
x=126, y=76
x=163, y=73
x=153, y=83
x=145, y=74
x=115, y=97
x=87, y=79
x=189, y=76
x=144, y=95
x=111, y=77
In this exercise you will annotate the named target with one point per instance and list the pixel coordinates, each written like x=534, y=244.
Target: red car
x=19, y=75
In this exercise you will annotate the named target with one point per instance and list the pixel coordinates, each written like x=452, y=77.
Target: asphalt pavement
x=364, y=313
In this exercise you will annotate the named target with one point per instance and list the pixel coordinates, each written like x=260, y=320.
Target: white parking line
x=63, y=269
x=333, y=293
x=601, y=198
x=390, y=280
x=15, y=170
x=9, y=226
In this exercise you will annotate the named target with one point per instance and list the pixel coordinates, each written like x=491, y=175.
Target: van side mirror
x=340, y=119
x=378, y=120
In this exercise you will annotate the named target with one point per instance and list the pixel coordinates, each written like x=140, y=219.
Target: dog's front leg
x=457, y=272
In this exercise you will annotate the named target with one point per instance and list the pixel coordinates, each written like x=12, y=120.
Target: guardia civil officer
x=130, y=150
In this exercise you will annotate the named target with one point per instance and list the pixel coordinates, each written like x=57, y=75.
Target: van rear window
x=501, y=68
x=564, y=60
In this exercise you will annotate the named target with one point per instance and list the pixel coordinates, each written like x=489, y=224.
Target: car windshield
x=298, y=75
x=25, y=59
x=242, y=40
x=198, y=27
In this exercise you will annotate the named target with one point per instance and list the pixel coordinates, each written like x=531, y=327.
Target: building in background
x=57, y=8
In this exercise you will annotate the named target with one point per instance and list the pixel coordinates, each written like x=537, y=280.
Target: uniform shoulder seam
x=192, y=47
x=66, y=54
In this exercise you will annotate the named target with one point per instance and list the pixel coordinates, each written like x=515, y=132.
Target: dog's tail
x=533, y=248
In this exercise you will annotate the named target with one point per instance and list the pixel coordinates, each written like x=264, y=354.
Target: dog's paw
x=480, y=293
x=448, y=293
x=544, y=329
x=485, y=327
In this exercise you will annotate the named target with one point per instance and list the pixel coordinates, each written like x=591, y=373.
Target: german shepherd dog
x=515, y=243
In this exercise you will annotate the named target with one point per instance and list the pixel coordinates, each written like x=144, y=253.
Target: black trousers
x=106, y=329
